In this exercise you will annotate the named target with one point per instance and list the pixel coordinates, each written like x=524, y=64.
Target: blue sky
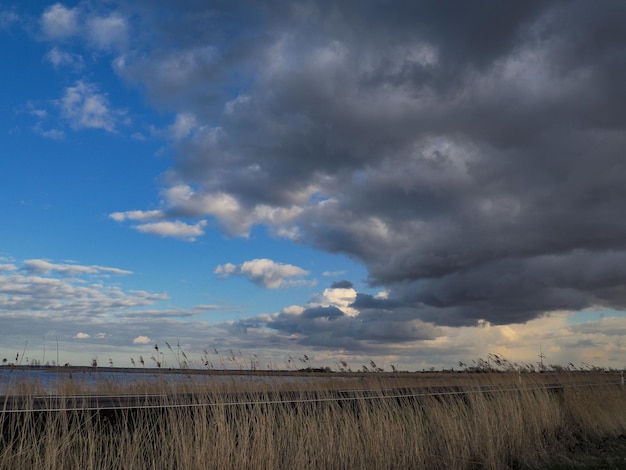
x=409, y=183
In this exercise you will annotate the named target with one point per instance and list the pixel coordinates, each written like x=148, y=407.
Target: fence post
x=622, y=378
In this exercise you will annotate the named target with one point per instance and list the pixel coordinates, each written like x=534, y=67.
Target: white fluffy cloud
x=106, y=32
x=84, y=107
x=103, y=31
x=141, y=216
x=235, y=217
x=60, y=58
x=340, y=297
x=266, y=273
x=98, y=29
x=176, y=229
x=58, y=21
x=161, y=228
x=142, y=340
x=82, y=336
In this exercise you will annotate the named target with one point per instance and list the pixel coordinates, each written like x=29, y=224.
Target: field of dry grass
x=527, y=426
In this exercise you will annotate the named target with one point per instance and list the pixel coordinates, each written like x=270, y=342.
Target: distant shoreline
x=165, y=370
x=68, y=369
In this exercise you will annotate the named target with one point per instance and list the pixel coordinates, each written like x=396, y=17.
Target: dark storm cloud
x=321, y=327
x=342, y=285
x=367, y=302
x=469, y=154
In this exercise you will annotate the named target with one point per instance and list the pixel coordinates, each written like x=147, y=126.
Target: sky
x=414, y=183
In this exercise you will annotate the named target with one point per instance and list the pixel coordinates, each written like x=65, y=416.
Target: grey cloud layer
x=70, y=302
x=470, y=154
x=36, y=294
x=329, y=327
x=98, y=318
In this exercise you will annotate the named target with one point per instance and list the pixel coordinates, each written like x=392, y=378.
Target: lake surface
x=48, y=380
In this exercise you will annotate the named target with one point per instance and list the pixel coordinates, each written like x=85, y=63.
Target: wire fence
x=167, y=401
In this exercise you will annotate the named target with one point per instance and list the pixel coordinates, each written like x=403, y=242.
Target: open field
x=453, y=420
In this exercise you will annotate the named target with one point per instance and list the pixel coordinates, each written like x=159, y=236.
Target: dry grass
x=526, y=428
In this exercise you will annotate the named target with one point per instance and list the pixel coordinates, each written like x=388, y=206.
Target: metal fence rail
x=98, y=403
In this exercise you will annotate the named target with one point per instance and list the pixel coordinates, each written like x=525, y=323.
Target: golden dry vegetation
x=502, y=420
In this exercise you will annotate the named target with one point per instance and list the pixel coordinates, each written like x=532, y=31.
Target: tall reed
x=522, y=427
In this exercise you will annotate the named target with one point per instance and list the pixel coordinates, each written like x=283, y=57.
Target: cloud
x=329, y=320
x=333, y=273
x=367, y=331
x=60, y=58
x=40, y=295
x=339, y=295
x=176, y=229
x=58, y=21
x=182, y=127
x=475, y=170
x=42, y=113
x=225, y=270
x=342, y=285
x=149, y=314
x=85, y=108
x=7, y=19
x=8, y=267
x=265, y=273
x=106, y=32
x=54, y=134
x=44, y=267
x=141, y=216
x=235, y=218
x=45, y=306
x=173, y=69
x=206, y=307
x=142, y=340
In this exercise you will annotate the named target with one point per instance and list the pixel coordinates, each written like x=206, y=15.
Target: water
x=48, y=380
